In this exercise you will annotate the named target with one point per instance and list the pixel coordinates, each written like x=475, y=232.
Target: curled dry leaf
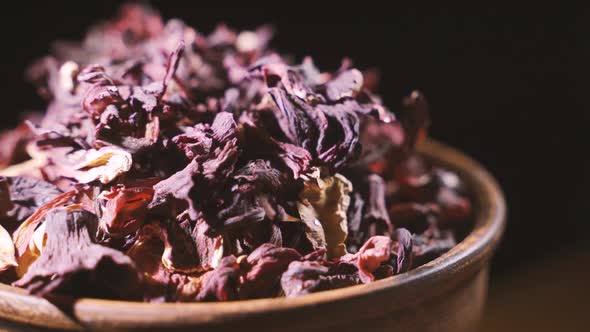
x=322, y=206
x=33, y=251
x=104, y=164
x=123, y=209
x=22, y=236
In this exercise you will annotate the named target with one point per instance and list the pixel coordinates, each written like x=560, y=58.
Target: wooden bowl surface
x=446, y=294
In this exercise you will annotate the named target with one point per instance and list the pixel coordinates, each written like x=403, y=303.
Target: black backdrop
x=502, y=83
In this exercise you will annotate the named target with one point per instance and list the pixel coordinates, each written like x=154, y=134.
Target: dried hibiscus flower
x=72, y=264
x=176, y=166
x=122, y=210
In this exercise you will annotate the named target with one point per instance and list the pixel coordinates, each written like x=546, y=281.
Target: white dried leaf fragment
x=322, y=207
x=104, y=165
x=7, y=251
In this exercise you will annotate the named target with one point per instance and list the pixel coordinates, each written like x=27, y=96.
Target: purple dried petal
x=346, y=146
x=309, y=277
x=292, y=118
x=402, y=249
x=295, y=158
x=222, y=283
x=72, y=264
x=178, y=186
x=376, y=216
x=98, y=97
x=27, y=195
x=355, y=222
x=302, y=278
x=416, y=119
x=226, y=134
x=264, y=267
x=416, y=180
x=180, y=251
x=261, y=175
x=375, y=251
x=123, y=209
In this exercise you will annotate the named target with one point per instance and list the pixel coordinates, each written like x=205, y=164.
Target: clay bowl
x=446, y=294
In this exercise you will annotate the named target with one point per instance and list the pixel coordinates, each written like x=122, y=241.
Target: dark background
x=503, y=84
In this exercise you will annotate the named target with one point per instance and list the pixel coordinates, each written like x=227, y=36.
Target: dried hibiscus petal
x=180, y=251
x=376, y=215
x=402, y=250
x=305, y=277
x=345, y=123
x=222, y=283
x=176, y=166
x=213, y=150
x=22, y=236
x=160, y=284
x=416, y=119
x=72, y=264
x=27, y=195
x=147, y=249
x=370, y=257
x=263, y=269
x=178, y=186
x=123, y=209
x=302, y=278
x=209, y=247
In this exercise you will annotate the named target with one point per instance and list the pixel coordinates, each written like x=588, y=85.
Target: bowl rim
x=466, y=258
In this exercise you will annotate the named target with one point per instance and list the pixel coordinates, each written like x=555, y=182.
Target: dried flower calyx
x=176, y=166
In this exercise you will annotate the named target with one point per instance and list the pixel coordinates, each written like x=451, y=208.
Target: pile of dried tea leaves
x=176, y=166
